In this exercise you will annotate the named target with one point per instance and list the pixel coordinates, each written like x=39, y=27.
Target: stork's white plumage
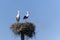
x=18, y=16
x=26, y=16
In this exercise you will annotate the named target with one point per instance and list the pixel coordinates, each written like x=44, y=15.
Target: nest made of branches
x=27, y=28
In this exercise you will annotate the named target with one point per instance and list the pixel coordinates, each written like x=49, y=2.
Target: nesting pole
x=23, y=29
x=22, y=36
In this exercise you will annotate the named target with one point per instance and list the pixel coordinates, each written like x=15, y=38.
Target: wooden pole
x=22, y=36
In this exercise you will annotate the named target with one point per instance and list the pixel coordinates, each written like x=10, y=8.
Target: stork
x=26, y=16
x=18, y=16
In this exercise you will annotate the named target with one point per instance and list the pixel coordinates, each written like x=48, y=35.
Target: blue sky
x=45, y=14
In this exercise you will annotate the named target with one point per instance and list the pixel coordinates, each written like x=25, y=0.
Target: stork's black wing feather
x=25, y=17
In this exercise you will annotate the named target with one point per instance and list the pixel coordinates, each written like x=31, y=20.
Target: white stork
x=26, y=16
x=18, y=16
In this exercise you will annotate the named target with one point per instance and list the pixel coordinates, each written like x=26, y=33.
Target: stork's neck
x=18, y=15
x=27, y=13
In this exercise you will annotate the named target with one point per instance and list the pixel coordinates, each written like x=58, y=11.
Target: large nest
x=27, y=28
